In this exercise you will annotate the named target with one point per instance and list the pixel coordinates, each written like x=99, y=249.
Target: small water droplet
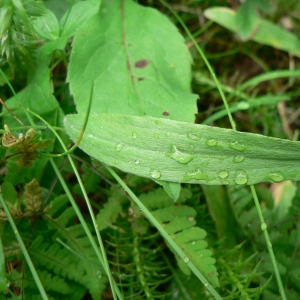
x=186, y=260
x=140, y=209
x=198, y=175
x=191, y=146
x=116, y=162
x=238, y=158
x=132, y=168
x=240, y=177
x=206, y=284
x=193, y=137
x=90, y=136
x=237, y=146
x=276, y=176
x=180, y=157
x=225, y=182
x=223, y=174
x=193, y=242
x=156, y=135
x=168, y=133
x=211, y=143
x=119, y=147
x=263, y=226
x=134, y=135
x=155, y=174
x=137, y=162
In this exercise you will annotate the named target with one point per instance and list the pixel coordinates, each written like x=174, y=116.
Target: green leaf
x=183, y=152
x=246, y=20
x=267, y=33
x=138, y=60
x=47, y=26
x=78, y=13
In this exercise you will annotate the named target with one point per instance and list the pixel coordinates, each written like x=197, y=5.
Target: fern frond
x=179, y=221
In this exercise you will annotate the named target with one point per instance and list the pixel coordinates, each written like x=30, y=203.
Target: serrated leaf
x=184, y=152
x=137, y=60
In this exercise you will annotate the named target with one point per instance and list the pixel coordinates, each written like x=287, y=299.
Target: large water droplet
x=134, y=135
x=237, y=146
x=181, y=157
x=198, y=175
x=193, y=137
x=240, y=177
x=211, y=143
x=223, y=174
x=276, y=176
x=155, y=174
x=238, y=158
x=119, y=147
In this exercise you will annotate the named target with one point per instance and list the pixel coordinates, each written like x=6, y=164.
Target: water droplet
x=156, y=135
x=116, y=162
x=240, y=177
x=238, y=158
x=193, y=242
x=276, y=176
x=155, y=174
x=140, y=209
x=243, y=105
x=263, y=226
x=90, y=136
x=225, y=182
x=198, y=175
x=211, y=143
x=182, y=158
x=191, y=146
x=137, y=162
x=168, y=133
x=206, y=284
x=134, y=135
x=237, y=146
x=223, y=174
x=132, y=168
x=119, y=147
x=186, y=260
x=193, y=137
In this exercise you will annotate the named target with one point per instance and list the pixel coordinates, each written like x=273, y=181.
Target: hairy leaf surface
x=183, y=152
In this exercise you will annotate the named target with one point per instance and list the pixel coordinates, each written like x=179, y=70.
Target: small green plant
x=146, y=204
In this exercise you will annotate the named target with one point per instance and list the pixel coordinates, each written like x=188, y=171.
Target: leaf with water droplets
x=217, y=157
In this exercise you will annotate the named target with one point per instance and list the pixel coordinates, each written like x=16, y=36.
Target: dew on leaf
x=276, y=176
x=225, y=182
x=223, y=174
x=168, y=133
x=137, y=162
x=211, y=142
x=134, y=135
x=238, y=158
x=263, y=226
x=237, y=146
x=180, y=157
x=90, y=136
x=119, y=147
x=198, y=175
x=193, y=242
x=193, y=137
x=156, y=135
x=240, y=177
x=155, y=174
x=191, y=146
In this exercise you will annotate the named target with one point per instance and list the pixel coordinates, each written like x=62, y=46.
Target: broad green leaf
x=138, y=61
x=246, y=20
x=267, y=33
x=183, y=152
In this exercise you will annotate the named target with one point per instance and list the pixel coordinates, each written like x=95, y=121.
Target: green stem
x=24, y=250
x=268, y=242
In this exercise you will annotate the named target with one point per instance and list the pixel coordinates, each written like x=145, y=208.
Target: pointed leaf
x=184, y=152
